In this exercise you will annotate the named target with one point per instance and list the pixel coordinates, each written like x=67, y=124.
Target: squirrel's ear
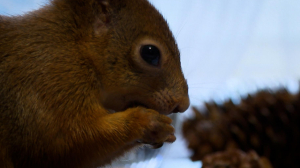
x=103, y=10
x=86, y=12
x=102, y=15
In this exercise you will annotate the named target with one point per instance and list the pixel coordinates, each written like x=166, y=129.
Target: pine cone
x=267, y=122
x=235, y=159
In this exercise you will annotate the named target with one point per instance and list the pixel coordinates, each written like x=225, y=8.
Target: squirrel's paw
x=155, y=128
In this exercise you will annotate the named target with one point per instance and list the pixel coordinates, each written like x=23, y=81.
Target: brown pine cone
x=235, y=159
x=266, y=122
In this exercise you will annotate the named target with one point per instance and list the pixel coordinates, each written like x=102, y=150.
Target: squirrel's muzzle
x=182, y=104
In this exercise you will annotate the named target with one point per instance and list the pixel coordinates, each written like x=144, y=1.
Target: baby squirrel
x=83, y=81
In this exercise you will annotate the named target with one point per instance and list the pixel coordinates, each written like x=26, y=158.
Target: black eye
x=150, y=54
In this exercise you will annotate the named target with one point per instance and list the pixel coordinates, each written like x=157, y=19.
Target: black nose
x=182, y=104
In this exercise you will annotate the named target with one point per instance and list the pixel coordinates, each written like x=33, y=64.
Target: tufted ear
x=102, y=15
x=96, y=13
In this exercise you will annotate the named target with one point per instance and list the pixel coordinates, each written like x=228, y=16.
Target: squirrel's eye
x=150, y=54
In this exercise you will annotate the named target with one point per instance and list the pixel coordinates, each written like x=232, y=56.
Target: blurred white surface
x=229, y=42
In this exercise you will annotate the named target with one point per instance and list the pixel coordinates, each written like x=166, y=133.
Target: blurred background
x=229, y=48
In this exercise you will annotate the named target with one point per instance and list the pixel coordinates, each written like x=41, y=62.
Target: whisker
x=196, y=98
x=202, y=89
x=206, y=83
x=185, y=21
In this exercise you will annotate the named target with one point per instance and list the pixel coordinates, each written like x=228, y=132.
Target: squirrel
x=84, y=81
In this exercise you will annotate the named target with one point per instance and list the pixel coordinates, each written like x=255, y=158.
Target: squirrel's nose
x=182, y=104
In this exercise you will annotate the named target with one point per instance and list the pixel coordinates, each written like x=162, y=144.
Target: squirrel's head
x=135, y=55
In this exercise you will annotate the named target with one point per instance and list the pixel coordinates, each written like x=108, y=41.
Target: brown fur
x=65, y=69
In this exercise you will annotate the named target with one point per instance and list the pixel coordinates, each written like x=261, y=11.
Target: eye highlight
x=150, y=54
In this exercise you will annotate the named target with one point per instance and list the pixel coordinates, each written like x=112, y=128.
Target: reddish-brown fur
x=65, y=69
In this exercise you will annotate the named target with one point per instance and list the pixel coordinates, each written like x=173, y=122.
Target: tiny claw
x=171, y=138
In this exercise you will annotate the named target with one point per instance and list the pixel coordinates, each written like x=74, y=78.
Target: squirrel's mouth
x=135, y=104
